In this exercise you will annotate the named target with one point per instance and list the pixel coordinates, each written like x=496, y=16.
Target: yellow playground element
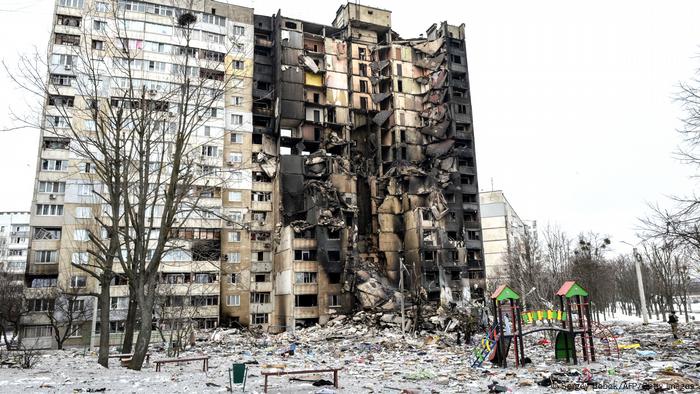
x=539, y=315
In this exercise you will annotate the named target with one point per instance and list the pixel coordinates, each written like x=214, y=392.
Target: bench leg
x=265, y=384
x=157, y=367
x=335, y=379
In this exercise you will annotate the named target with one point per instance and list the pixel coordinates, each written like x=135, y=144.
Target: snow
x=373, y=361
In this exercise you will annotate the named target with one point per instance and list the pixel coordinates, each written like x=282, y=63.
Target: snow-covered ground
x=373, y=361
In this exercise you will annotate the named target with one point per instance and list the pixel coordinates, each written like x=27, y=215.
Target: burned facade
x=377, y=166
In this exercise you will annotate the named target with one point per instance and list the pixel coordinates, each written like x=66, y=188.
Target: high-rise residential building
x=350, y=149
x=14, y=243
x=503, y=231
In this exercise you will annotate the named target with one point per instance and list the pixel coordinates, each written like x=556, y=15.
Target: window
x=259, y=318
x=44, y=282
x=333, y=300
x=78, y=281
x=259, y=298
x=52, y=187
x=83, y=212
x=210, y=151
x=214, y=19
x=159, y=29
x=71, y=4
x=156, y=66
x=99, y=25
x=87, y=168
x=54, y=165
x=456, y=59
x=238, y=64
x=236, y=119
x=119, y=302
x=77, y=305
x=40, y=305
x=399, y=70
x=363, y=69
x=261, y=196
x=47, y=233
x=473, y=235
x=38, y=331
x=233, y=300
x=233, y=257
x=101, y=6
x=80, y=234
x=261, y=278
x=306, y=277
x=364, y=86
x=62, y=80
x=235, y=157
x=305, y=255
x=67, y=20
x=79, y=258
x=333, y=277
x=66, y=39
x=399, y=85
x=233, y=278
x=238, y=30
x=363, y=103
x=46, y=256
x=236, y=138
x=237, y=101
x=85, y=189
x=461, y=109
x=63, y=60
x=234, y=236
x=234, y=196
x=49, y=210
x=306, y=300
x=362, y=52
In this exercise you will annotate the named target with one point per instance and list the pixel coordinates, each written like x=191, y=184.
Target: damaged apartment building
x=353, y=155
x=376, y=161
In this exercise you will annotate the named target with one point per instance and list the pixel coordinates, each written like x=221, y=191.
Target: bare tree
x=140, y=140
x=13, y=307
x=526, y=268
x=662, y=259
x=70, y=310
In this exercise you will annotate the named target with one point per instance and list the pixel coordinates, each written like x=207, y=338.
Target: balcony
x=263, y=42
x=305, y=288
x=260, y=308
x=262, y=111
x=261, y=286
x=259, y=93
x=303, y=312
x=261, y=206
x=261, y=266
x=42, y=269
x=472, y=244
x=470, y=206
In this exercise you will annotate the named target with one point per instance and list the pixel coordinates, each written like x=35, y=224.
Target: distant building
x=14, y=242
x=501, y=228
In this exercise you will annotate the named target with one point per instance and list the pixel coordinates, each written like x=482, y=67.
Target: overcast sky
x=572, y=101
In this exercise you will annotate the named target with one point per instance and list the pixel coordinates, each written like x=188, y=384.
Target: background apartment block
x=502, y=230
x=346, y=149
x=14, y=243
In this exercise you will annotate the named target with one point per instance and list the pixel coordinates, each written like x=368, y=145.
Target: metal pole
x=403, y=325
x=640, y=284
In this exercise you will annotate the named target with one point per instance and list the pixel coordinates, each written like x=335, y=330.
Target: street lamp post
x=640, y=281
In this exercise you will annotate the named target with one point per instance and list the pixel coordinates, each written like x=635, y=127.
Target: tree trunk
x=104, y=300
x=146, y=301
x=130, y=322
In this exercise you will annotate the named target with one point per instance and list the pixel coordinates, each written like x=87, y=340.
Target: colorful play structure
x=572, y=321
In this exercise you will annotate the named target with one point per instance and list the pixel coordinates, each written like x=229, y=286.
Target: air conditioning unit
x=52, y=196
x=68, y=67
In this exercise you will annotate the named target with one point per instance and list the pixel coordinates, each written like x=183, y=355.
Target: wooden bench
x=280, y=373
x=127, y=356
x=204, y=359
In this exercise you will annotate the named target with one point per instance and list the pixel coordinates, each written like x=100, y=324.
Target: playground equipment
x=574, y=316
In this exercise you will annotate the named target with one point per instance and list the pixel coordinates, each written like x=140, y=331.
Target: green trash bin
x=238, y=374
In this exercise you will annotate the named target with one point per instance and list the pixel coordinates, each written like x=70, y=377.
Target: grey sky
x=572, y=101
